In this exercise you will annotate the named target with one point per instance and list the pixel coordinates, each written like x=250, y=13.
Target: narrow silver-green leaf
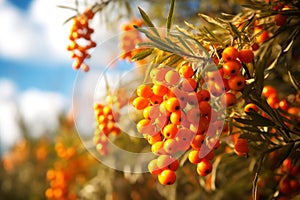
x=171, y=15
x=147, y=21
x=143, y=54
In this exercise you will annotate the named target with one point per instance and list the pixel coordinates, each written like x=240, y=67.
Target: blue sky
x=36, y=75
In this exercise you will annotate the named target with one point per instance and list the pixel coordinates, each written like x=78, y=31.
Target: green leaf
x=211, y=20
x=256, y=122
x=174, y=60
x=147, y=21
x=170, y=16
x=142, y=54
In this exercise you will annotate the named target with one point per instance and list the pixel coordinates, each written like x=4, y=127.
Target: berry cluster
x=130, y=38
x=289, y=184
x=228, y=80
x=80, y=39
x=177, y=113
x=106, y=120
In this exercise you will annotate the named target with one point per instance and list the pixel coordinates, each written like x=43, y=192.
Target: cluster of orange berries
x=106, y=120
x=290, y=110
x=130, y=38
x=69, y=171
x=288, y=178
x=80, y=39
x=176, y=119
x=59, y=181
x=228, y=80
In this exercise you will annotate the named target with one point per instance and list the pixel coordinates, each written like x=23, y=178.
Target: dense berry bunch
x=177, y=112
x=106, y=120
x=80, y=39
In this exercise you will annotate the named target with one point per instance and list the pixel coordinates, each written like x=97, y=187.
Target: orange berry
x=158, y=148
x=155, y=99
x=203, y=95
x=186, y=71
x=194, y=156
x=246, y=55
x=193, y=115
x=283, y=104
x=144, y=91
x=152, y=167
x=229, y=54
x=170, y=131
x=241, y=147
x=236, y=83
x=268, y=91
x=155, y=138
x=172, y=77
x=231, y=68
x=171, y=146
x=262, y=37
x=167, y=177
x=172, y=104
x=188, y=85
x=197, y=142
x=204, y=167
x=159, y=89
x=228, y=99
x=204, y=108
x=140, y=103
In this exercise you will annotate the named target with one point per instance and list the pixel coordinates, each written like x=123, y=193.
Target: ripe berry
x=172, y=104
x=229, y=54
x=186, y=71
x=228, y=99
x=241, y=147
x=194, y=156
x=231, y=68
x=167, y=177
x=152, y=167
x=236, y=83
x=140, y=103
x=170, y=131
x=204, y=167
x=172, y=77
x=144, y=91
x=246, y=55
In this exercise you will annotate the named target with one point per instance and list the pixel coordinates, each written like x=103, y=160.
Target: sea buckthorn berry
x=241, y=147
x=159, y=89
x=155, y=138
x=205, y=108
x=140, y=103
x=167, y=177
x=228, y=99
x=158, y=148
x=246, y=55
x=283, y=104
x=236, y=83
x=143, y=125
x=204, y=167
x=262, y=37
x=229, y=54
x=152, y=167
x=186, y=71
x=280, y=19
x=268, y=91
x=188, y=85
x=155, y=99
x=197, y=142
x=170, y=131
x=172, y=77
x=273, y=101
x=231, y=68
x=194, y=156
x=172, y=104
x=144, y=91
x=294, y=111
x=155, y=112
x=203, y=95
x=171, y=146
x=193, y=115
x=163, y=161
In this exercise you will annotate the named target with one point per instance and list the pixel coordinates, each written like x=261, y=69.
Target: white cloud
x=9, y=129
x=40, y=110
